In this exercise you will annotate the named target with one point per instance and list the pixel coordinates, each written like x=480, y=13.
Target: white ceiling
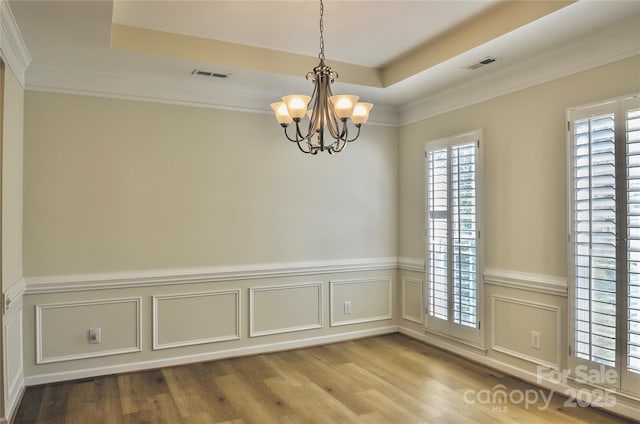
x=69, y=42
x=370, y=33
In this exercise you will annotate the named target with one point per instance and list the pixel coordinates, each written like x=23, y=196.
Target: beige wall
x=524, y=163
x=116, y=185
x=12, y=180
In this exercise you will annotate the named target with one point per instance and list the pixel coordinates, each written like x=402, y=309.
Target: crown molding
x=12, y=46
x=601, y=48
x=178, y=91
x=618, y=43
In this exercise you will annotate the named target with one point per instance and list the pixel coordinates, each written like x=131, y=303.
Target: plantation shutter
x=605, y=238
x=632, y=130
x=452, y=235
x=595, y=239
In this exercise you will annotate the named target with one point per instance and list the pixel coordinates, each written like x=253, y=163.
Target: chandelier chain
x=321, y=55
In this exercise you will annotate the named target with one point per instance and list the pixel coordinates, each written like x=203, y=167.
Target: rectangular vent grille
x=482, y=62
x=208, y=74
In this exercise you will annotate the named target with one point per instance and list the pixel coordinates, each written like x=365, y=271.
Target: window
x=604, y=239
x=453, y=248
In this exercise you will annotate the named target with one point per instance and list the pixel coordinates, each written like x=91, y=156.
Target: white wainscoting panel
x=370, y=299
x=412, y=299
x=195, y=318
x=285, y=308
x=513, y=336
x=13, y=365
x=62, y=329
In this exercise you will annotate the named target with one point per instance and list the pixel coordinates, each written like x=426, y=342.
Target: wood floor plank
x=380, y=380
x=393, y=411
x=109, y=400
x=323, y=409
x=249, y=401
x=335, y=384
x=54, y=403
x=195, y=392
x=137, y=388
x=31, y=404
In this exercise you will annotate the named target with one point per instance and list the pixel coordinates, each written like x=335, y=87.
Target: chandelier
x=329, y=113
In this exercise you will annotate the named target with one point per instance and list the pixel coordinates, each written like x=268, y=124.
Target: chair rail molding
x=115, y=280
x=548, y=284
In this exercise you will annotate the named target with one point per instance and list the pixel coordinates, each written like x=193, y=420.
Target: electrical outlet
x=535, y=339
x=347, y=307
x=95, y=335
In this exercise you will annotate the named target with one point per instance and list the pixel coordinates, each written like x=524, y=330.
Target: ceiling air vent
x=208, y=74
x=486, y=61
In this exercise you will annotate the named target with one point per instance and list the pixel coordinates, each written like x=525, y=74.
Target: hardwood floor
x=386, y=379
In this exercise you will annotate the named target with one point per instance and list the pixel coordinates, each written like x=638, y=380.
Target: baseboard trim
x=12, y=409
x=209, y=356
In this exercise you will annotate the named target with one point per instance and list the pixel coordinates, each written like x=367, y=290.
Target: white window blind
x=452, y=234
x=438, y=230
x=605, y=237
x=632, y=130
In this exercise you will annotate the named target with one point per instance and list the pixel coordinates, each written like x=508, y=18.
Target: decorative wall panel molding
x=114, y=280
x=62, y=329
x=369, y=299
x=413, y=299
x=533, y=316
x=285, y=308
x=195, y=318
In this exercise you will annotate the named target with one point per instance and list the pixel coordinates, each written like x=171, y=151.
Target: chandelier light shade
x=329, y=114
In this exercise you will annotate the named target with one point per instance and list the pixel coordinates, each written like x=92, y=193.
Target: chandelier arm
x=314, y=126
x=323, y=106
x=312, y=148
x=339, y=146
x=333, y=121
x=357, y=134
x=299, y=143
x=344, y=135
x=286, y=133
x=299, y=136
